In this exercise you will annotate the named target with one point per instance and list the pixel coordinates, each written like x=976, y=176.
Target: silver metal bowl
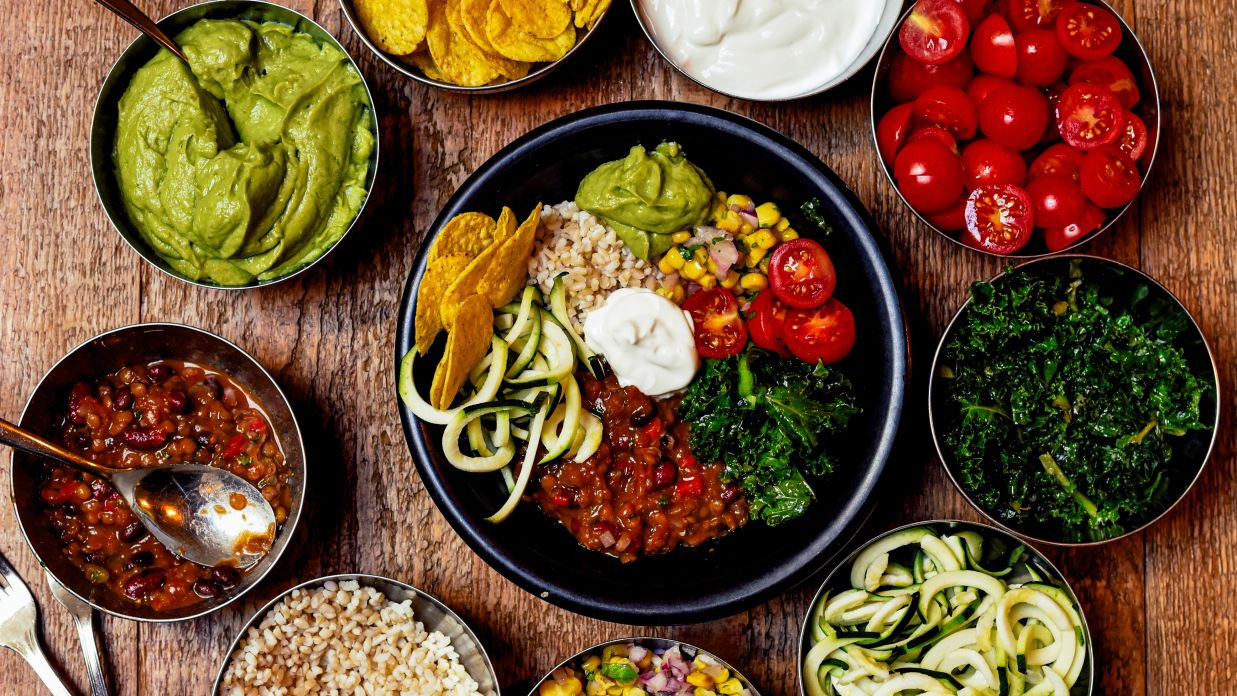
x=889, y=20
x=651, y=643
x=435, y=615
x=103, y=123
x=409, y=70
x=108, y=352
x=839, y=578
x=1148, y=108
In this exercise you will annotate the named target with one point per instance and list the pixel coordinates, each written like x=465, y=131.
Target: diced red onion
x=623, y=542
x=606, y=539
x=725, y=254
x=671, y=281
x=747, y=214
x=636, y=653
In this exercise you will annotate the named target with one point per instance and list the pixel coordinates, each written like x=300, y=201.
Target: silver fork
x=19, y=620
x=88, y=634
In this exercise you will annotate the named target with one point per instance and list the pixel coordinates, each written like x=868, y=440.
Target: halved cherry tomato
x=935, y=32
x=949, y=108
x=1088, y=31
x=1090, y=220
x=1110, y=72
x=822, y=334
x=993, y=47
x=891, y=131
x=987, y=162
x=929, y=176
x=1109, y=177
x=983, y=85
x=999, y=218
x=908, y=78
x=234, y=446
x=1041, y=58
x=935, y=133
x=1133, y=140
x=768, y=319
x=1058, y=159
x=974, y=9
x=801, y=273
x=1029, y=14
x=951, y=219
x=1057, y=198
x=1089, y=116
x=1014, y=116
x=718, y=328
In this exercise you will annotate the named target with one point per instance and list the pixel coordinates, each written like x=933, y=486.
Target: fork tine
x=14, y=583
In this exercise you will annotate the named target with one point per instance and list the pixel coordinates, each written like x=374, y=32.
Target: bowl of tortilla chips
x=476, y=46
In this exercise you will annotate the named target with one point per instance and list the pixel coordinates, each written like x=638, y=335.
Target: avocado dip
x=251, y=165
x=647, y=197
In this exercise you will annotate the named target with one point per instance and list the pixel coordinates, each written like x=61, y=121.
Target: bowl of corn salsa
x=644, y=667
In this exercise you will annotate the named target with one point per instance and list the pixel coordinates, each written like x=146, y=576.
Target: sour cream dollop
x=763, y=49
x=647, y=340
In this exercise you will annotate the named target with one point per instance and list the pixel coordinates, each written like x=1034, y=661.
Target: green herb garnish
x=814, y=210
x=620, y=672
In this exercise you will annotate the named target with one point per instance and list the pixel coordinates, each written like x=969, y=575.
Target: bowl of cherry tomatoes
x=1016, y=127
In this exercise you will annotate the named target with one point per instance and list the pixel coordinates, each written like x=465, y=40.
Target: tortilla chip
x=466, y=233
x=439, y=274
x=589, y=12
x=509, y=266
x=510, y=41
x=424, y=61
x=544, y=19
x=460, y=31
x=459, y=60
x=467, y=344
x=395, y=26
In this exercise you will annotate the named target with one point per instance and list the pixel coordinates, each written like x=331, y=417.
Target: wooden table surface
x=1161, y=604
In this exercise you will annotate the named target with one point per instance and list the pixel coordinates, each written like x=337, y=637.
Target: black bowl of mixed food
x=151, y=395
x=711, y=382
x=644, y=665
x=1073, y=400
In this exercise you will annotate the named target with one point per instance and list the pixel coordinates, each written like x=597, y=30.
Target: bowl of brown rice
x=356, y=633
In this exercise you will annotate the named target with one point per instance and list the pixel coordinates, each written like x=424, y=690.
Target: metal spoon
x=88, y=634
x=201, y=513
x=128, y=12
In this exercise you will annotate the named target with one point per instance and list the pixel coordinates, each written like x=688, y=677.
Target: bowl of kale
x=1073, y=400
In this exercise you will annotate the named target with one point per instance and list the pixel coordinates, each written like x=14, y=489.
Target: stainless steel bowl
x=1148, y=108
x=839, y=578
x=108, y=352
x=435, y=615
x=103, y=123
x=647, y=642
x=409, y=70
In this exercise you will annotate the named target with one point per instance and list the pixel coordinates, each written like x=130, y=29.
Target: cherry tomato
x=1133, y=140
x=1088, y=31
x=999, y=218
x=1029, y=14
x=1041, y=58
x=1090, y=220
x=1058, y=199
x=766, y=326
x=929, y=176
x=1110, y=72
x=233, y=447
x=951, y=219
x=986, y=162
x=718, y=328
x=983, y=85
x=822, y=334
x=908, y=78
x=993, y=47
x=949, y=108
x=1109, y=177
x=974, y=9
x=891, y=131
x=935, y=32
x=1089, y=116
x=936, y=133
x=1058, y=159
x=801, y=273
x=1014, y=116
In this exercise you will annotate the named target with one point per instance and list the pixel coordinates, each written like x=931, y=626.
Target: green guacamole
x=648, y=196
x=252, y=164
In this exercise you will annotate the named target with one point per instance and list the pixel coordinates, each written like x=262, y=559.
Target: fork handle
x=33, y=653
x=92, y=651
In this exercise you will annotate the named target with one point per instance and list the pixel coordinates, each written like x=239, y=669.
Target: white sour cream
x=647, y=340
x=763, y=49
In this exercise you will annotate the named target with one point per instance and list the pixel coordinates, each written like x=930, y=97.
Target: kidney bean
x=80, y=391
x=122, y=400
x=158, y=373
x=176, y=402
x=144, y=438
x=133, y=533
x=141, y=559
x=227, y=576
x=143, y=584
x=81, y=439
x=642, y=410
x=664, y=476
x=206, y=589
x=731, y=493
x=100, y=488
x=211, y=382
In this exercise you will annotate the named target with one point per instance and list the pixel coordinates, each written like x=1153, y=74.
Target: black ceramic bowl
x=757, y=562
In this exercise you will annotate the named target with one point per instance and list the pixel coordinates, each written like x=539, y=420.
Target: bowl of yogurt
x=768, y=50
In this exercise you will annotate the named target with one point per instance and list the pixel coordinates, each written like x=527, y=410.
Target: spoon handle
x=128, y=12
x=17, y=438
x=88, y=635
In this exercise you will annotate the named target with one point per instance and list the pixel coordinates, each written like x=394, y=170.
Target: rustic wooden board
x=1159, y=604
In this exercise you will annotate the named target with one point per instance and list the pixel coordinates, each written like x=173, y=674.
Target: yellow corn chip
x=509, y=266
x=395, y=26
x=544, y=19
x=467, y=344
x=439, y=275
x=459, y=60
x=460, y=32
x=508, y=39
x=466, y=233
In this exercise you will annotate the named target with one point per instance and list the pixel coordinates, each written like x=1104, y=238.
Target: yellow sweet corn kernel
x=700, y=679
x=739, y=200
x=764, y=239
x=596, y=687
x=768, y=214
x=788, y=234
x=665, y=265
x=700, y=254
x=634, y=691
x=677, y=294
x=592, y=663
x=746, y=228
x=675, y=257
x=615, y=691
x=754, y=281
x=782, y=224
x=693, y=270
x=764, y=265
x=664, y=292
x=707, y=281
x=730, y=686
x=701, y=691
x=720, y=674
x=720, y=196
x=755, y=255
x=731, y=281
x=729, y=221
x=711, y=265
x=680, y=237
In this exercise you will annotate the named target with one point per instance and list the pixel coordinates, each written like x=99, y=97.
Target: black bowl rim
x=949, y=468
x=812, y=557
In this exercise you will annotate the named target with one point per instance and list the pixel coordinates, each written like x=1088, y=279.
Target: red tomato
x=891, y=131
x=935, y=32
x=1029, y=14
x=1058, y=200
x=768, y=317
x=1089, y=116
x=1090, y=220
x=949, y=108
x=951, y=219
x=986, y=162
x=999, y=218
x=993, y=47
x=1109, y=177
x=983, y=85
x=718, y=328
x=1058, y=159
x=1041, y=58
x=929, y=176
x=1133, y=140
x=1014, y=116
x=1088, y=31
x=936, y=133
x=823, y=334
x=974, y=9
x=908, y=78
x=801, y=273
x=1110, y=72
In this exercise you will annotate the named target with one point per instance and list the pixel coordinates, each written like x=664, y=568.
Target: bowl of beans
x=141, y=396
